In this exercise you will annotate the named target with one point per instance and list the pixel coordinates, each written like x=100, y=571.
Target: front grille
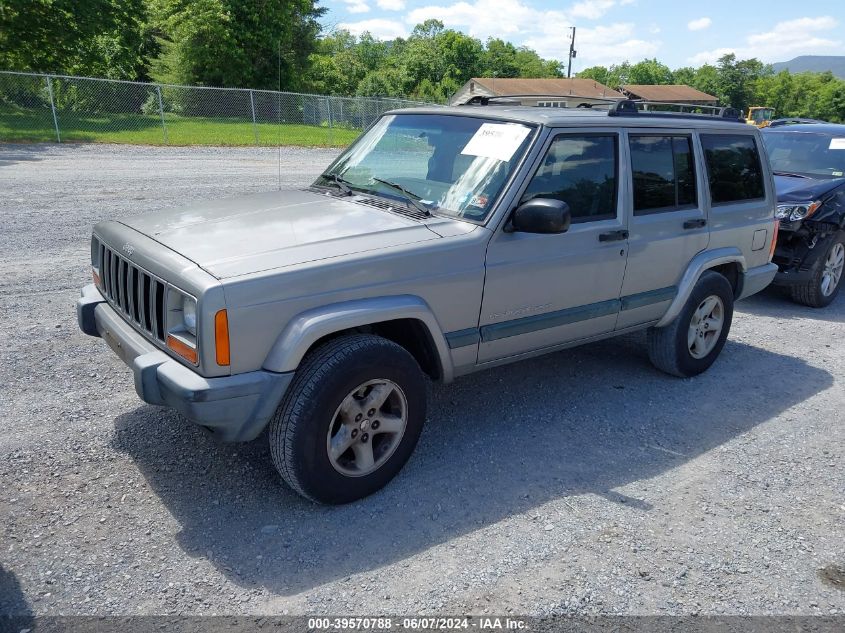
x=139, y=296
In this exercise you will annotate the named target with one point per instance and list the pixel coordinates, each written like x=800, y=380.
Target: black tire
x=299, y=428
x=810, y=293
x=667, y=346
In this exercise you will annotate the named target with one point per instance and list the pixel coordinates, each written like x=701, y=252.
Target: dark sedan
x=808, y=161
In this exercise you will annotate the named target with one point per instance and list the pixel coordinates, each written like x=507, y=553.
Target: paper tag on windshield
x=496, y=140
x=837, y=143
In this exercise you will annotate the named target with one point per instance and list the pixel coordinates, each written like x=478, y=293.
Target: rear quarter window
x=733, y=167
x=663, y=173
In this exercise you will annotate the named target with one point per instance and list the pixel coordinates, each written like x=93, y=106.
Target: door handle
x=613, y=236
x=695, y=224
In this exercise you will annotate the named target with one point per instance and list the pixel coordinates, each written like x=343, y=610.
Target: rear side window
x=664, y=173
x=733, y=167
x=581, y=170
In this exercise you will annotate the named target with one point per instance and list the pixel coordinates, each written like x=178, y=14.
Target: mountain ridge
x=813, y=63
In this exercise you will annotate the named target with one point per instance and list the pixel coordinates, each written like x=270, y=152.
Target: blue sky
x=610, y=31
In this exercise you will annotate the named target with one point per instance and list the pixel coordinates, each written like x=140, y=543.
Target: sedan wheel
x=832, y=272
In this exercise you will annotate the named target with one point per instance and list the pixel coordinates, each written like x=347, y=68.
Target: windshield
x=806, y=153
x=761, y=114
x=449, y=164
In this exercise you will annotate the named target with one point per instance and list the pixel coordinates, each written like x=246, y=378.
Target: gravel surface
x=581, y=482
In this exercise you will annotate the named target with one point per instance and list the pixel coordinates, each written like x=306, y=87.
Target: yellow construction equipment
x=760, y=116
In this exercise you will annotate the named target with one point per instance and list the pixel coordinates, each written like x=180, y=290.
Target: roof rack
x=794, y=121
x=630, y=107
x=622, y=107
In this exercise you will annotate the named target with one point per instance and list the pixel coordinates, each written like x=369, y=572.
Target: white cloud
x=700, y=24
x=591, y=9
x=379, y=28
x=599, y=46
x=804, y=36
x=482, y=18
x=546, y=31
x=391, y=5
x=357, y=6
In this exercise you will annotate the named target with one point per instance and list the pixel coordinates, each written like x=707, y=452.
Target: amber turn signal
x=221, y=337
x=96, y=277
x=183, y=349
x=775, y=232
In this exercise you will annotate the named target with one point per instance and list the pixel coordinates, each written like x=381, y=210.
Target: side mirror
x=541, y=215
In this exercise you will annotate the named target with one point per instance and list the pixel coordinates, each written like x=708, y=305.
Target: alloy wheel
x=832, y=272
x=705, y=326
x=367, y=427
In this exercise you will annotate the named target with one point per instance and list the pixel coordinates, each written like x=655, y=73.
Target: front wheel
x=826, y=280
x=350, y=419
x=692, y=342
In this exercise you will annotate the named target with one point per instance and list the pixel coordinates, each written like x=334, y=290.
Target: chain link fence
x=35, y=107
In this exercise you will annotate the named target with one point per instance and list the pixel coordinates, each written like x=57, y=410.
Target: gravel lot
x=582, y=482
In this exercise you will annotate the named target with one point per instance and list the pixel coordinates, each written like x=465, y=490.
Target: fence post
x=53, y=107
x=254, y=127
x=161, y=112
x=329, y=117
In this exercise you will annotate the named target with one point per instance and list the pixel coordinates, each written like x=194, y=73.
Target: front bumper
x=797, y=261
x=234, y=408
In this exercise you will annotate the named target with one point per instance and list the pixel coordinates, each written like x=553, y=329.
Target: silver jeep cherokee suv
x=442, y=242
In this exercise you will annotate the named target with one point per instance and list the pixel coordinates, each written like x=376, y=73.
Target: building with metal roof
x=677, y=93
x=550, y=93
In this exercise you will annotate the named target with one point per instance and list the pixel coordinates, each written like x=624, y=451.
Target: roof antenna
x=279, y=114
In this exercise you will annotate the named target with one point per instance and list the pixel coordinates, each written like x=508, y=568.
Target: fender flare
x=700, y=263
x=308, y=327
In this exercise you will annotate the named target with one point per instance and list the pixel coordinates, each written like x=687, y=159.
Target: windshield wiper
x=341, y=182
x=411, y=197
x=789, y=173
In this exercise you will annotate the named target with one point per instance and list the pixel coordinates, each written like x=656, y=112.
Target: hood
x=797, y=189
x=272, y=230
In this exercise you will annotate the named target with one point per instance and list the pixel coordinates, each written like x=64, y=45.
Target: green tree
x=831, y=101
x=619, y=75
x=431, y=64
x=338, y=65
x=389, y=82
x=499, y=59
x=233, y=43
x=596, y=73
x=530, y=64
x=707, y=79
x=104, y=38
x=685, y=76
x=438, y=54
x=736, y=80
x=650, y=72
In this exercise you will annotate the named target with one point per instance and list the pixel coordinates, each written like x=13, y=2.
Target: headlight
x=189, y=314
x=795, y=212
x=182, y=326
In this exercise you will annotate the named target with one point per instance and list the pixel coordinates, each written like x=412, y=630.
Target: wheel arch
x=405, y=319
x=728, y=261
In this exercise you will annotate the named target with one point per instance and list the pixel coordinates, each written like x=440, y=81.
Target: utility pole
x=572, y=54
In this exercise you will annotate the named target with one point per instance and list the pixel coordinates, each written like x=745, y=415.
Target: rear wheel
x=692, y=342
x=826, y=279
x=350, y=419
